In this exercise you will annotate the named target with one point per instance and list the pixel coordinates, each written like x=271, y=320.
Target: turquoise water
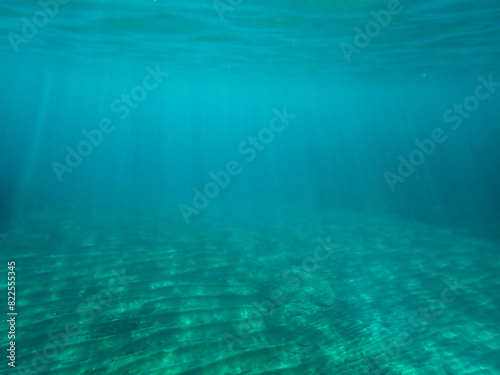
x=251, y=187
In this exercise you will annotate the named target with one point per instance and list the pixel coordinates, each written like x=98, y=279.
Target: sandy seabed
x=124, y=293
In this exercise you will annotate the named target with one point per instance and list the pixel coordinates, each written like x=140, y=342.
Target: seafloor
x=108, y=292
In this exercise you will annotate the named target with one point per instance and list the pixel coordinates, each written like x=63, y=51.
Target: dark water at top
x=361, y=101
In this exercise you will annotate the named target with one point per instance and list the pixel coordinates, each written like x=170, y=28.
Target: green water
x=250, y=187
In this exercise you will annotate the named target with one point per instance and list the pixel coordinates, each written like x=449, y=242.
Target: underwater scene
x=229, y=187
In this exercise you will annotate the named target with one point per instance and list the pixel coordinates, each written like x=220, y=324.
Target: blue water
x=136, y=127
